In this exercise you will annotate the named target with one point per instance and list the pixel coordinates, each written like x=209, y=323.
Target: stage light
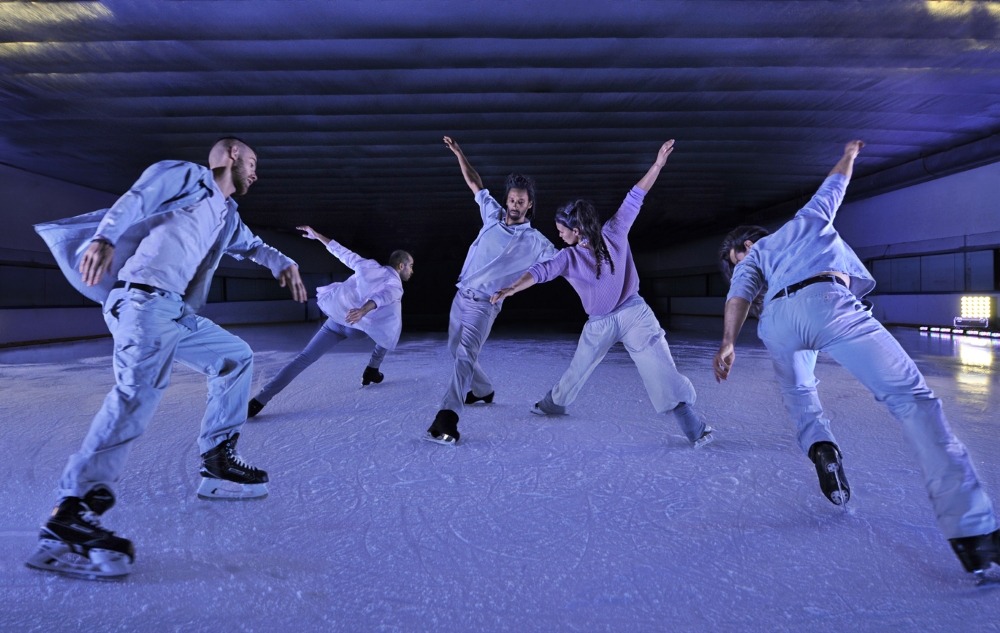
x=976, y=311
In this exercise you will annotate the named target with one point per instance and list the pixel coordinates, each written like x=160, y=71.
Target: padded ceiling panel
x=347, y=101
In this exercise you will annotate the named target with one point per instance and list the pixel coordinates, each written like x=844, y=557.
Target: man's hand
x=96, y=261
x=355, y=315
x=665, y=150
x=723, y=361
x=290, y=277
x=310, y=233
x=453, y=146
x=502, y=294
x=845, y=166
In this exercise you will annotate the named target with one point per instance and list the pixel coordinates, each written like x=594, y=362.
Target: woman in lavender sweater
x=599, y=266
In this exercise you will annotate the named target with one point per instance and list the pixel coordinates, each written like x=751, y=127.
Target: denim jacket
x=164, y=187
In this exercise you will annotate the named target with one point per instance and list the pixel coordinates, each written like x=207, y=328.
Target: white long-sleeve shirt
x=370, y=281
x=500, y=254
x=164, y=187
x=804, y=247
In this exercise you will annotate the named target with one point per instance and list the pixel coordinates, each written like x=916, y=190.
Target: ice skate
x=470, y=398
x=444, y=430
x=705, y=439
x=371, y=375
x=254, y=407
x=832, y=480
x=546, y=406
x=224, y=474
x=980, y=555
x=73, y=543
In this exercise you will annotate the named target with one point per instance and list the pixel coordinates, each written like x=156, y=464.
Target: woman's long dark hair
x=583, y=216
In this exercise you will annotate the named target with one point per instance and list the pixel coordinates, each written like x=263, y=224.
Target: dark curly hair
x=734, y=241
x=582, y=215
x=520, y=181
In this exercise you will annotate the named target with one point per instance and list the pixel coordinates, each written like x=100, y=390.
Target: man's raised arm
x=471, y=177
x=845, y=166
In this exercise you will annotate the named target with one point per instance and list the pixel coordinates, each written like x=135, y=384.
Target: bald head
x=234, y=164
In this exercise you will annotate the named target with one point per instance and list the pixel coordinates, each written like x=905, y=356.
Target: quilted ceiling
x=347, y=101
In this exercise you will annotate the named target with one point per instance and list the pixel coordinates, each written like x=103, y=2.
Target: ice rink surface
x=602, y=520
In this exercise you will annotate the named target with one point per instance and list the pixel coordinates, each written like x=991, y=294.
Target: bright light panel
x=976, y=307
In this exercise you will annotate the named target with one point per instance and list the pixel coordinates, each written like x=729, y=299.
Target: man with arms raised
x=813, y=283
x=506, y=246
x=150, y=259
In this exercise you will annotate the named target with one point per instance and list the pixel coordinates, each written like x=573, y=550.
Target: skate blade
x=212, y=488
x=445, y=439
x=102, y=564
x=989, y=577
x=704, y=440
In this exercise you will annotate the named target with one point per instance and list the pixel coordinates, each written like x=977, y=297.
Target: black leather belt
x=784, y=292
x=143, y=287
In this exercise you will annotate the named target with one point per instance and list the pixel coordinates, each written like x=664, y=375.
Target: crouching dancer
x=150, y=259
x=367, y=303
x=814, y=282
x=598, y=264
x=505, y=247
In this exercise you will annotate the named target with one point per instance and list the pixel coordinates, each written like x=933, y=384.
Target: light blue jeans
x=328, y=335
x=148, y=339
x=635, y=325
x=469, y=324
x=827, y=317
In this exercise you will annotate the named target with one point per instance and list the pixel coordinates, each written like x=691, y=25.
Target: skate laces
x=236, y=458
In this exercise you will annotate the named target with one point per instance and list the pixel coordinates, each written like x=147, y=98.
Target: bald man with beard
x=149, y=260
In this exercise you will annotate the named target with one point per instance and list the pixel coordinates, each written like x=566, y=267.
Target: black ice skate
x=73, y=543
x=224, y=474
x=978, y=554
x=254, y=407
x=832, y=480
x=705, y=439
x=371, y=375
x=444, y=430
x=471, y=398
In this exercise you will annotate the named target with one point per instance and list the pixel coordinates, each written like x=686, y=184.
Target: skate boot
x=73, y=543
x=371, y=375
x=254, y=407
x=832, y=480
x=978, y=553
x=547, y=406
x=705, y=439
x=224, y=474
x=470, y=398
x=444, y=430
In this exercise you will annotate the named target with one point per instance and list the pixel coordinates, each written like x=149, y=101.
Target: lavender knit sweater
x=579, y=266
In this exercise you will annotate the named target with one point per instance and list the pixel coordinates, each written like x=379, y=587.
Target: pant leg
x=321, y=342
x=227, y=361
x=596, y=339
x=859, y=342
x=377, y=356
x=146, y=337
x=469, y=326
x=794, y=367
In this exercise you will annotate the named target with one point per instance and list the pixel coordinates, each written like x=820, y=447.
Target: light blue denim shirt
x=804, y=247
x=500, y=254
x=164, y=187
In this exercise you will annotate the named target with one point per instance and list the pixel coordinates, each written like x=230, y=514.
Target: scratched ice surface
x=603, y=520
